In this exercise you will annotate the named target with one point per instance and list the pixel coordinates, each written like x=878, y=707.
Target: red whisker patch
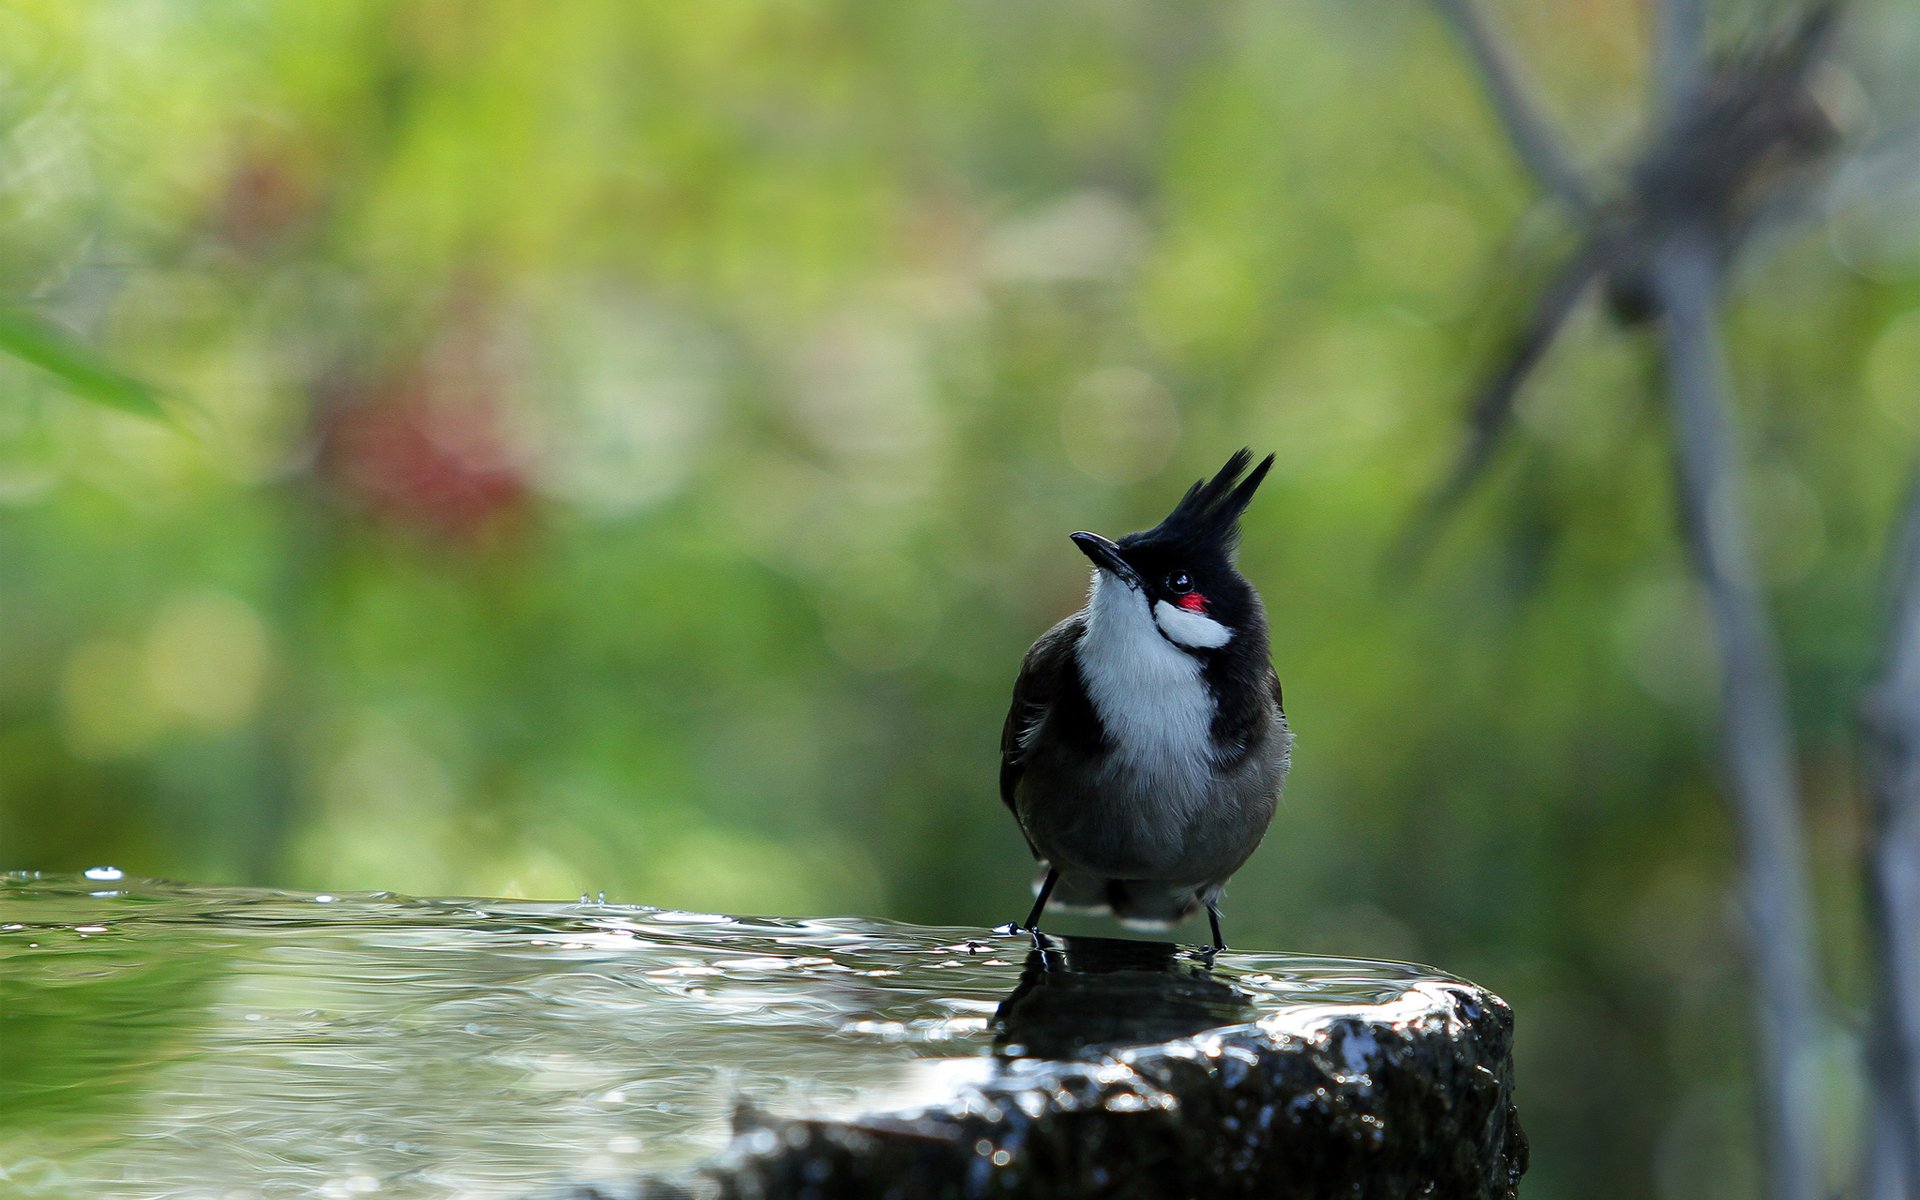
x=1193, y=602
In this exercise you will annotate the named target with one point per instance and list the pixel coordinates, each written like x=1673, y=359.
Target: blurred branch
x=1492, y=410
x=1533, y=139
x=79, y=369
x=1733, y=144
x=1728, y=140
x=1757, y=741
x=1893, y=860
x=1679, y=51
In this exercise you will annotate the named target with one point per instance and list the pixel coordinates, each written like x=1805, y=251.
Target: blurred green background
x=627, y=448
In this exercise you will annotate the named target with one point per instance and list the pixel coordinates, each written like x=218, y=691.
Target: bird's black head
x=1184, y=565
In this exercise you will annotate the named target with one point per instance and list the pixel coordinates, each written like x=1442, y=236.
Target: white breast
x=1150, y=697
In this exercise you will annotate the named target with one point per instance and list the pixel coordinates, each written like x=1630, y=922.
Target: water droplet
x=104, y=873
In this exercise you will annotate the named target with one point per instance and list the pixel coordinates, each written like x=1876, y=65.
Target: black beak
x=1106, y=556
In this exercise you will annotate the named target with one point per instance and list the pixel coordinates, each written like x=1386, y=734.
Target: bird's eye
x=1179, y=584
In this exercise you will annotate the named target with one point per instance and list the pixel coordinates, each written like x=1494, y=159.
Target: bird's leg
x=1213, y=919
x=1032, y=925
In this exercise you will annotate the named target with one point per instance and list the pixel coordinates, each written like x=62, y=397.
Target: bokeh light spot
x=1892, y=373
x=206, y=660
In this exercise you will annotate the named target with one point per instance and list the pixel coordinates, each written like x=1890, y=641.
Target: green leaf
x=78, y=367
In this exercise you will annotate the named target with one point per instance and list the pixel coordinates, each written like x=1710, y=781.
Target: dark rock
x=1156, y=1079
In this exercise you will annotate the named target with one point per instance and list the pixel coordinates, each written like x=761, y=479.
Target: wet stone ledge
x=175, y=1041
x=1134, y=1069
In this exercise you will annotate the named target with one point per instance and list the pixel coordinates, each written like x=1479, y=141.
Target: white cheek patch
x=1190, y=628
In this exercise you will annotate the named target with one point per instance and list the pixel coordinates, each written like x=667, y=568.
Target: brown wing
x=1033, y=694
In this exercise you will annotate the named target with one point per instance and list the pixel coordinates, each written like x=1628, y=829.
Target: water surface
x=169, y=1041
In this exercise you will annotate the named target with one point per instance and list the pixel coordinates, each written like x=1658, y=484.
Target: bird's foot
x=1014, y=928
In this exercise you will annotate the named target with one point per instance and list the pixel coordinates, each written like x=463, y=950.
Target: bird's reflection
x=1084, y=994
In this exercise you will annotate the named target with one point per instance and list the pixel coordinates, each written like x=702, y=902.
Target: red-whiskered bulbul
x=1146, y=744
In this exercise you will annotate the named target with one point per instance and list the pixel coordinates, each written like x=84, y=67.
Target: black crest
x=1209, y=514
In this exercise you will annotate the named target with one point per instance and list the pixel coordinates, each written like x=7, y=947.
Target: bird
x=1147, y=743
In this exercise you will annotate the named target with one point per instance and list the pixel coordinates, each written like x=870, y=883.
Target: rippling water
x=159, y=1040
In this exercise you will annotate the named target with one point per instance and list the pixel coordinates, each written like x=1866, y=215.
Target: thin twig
x=1492, y=409
x=1757, y=741
x=1533, y=138
x=1679, y=54
x=1893, y=859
